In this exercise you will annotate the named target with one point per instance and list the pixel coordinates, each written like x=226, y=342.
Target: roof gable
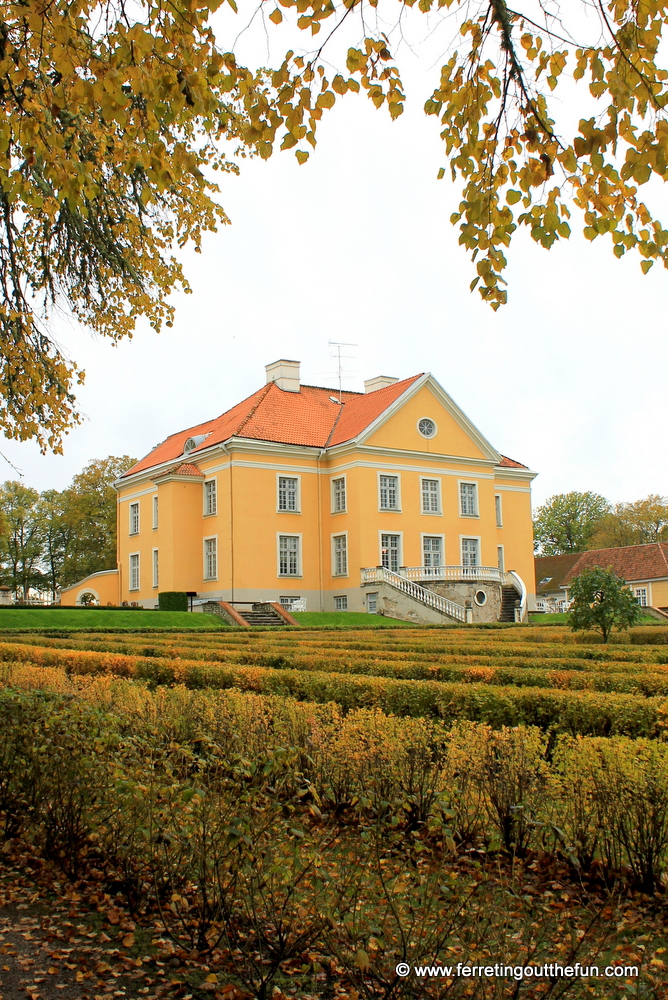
x=424, y=397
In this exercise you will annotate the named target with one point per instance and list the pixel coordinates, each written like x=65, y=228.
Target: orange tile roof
x=631, y=562
x=553, y=569
x=186, y=469
x=364, y=408
x=312, y=417
x=510, y=463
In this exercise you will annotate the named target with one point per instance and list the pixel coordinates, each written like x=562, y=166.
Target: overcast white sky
x=569, y=377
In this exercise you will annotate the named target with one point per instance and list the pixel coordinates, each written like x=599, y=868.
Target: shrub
x=172, y=600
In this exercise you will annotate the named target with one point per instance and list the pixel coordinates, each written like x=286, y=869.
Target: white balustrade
x=421, y=594
x=452, y=574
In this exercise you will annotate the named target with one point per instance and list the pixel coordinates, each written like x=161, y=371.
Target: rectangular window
x=291, y=602
x=155, y=567
x=210, y=558
x=500, y=560
x=431, y=499
x=341, y=603
x=641, y=596
x=134, y=518
x=134, y=571
x=288, y=555
x=499, y=512
x=470, y=548
x=468, y=499
x=210, y=497
x=389, y=492
x=155, y=512
x=389, y=551
x=432, y=550
x=287, y=493
x=340, y=555
x=338, y=495
x=372, y=603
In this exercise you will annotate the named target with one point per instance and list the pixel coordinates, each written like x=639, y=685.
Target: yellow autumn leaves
x=113, y=125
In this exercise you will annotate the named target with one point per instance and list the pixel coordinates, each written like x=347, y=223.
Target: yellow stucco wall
x=659, y=596
x=103, y=585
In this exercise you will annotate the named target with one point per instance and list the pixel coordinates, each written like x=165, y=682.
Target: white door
x=372, y=603
x=390, y=552
x=470, y=552
x=432, y=553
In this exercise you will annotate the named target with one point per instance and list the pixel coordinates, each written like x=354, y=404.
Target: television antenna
x=338, y=357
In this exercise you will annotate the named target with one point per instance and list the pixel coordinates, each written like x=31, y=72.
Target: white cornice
x=503, y=472
x=405, y=453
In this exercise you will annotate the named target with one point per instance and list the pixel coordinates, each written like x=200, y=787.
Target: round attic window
x=427, y=427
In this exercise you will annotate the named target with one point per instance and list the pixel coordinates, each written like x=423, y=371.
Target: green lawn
x=563, y=619
x=356, y=619
x=103, y=618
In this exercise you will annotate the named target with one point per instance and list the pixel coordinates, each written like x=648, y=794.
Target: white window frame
x=299, y=573
x=131, y=556
x=390, y=475
x=427, y=437
x=206, y=496
x=476, y=503
x=467, y=538
x=432, y=534
x=344, y=599
x=400, y=553
x=209, y=538
x=502, y=562
x=287, y=601
x=333, y=480
x=298, y=494
x=134, y=506
x=155, y=510
x=439, y=496
x=344, y=535
x=155, y=567
x=641, y=592
x=498, y=509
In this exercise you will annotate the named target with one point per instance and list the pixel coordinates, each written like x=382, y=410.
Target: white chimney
x=379, y=382
x=285, y=374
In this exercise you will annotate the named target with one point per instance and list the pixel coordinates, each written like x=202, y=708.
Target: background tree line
x=574, y=522
x=52, y=539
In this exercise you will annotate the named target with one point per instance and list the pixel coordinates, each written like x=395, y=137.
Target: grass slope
x=102, y=618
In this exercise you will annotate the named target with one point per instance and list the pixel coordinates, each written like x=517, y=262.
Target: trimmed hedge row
x=575, y=712
x=601, y=803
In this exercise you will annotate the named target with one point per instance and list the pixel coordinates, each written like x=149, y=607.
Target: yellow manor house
x=301, y=497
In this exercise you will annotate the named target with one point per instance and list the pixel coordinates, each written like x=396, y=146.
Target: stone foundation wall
x=460, y=593
x=394, y=604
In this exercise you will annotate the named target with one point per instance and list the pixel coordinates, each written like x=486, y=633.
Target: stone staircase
x=266, y=618
x=251, y=615
x=509, y=597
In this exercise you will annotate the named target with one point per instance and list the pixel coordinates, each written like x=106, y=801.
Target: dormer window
x=194, y=442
